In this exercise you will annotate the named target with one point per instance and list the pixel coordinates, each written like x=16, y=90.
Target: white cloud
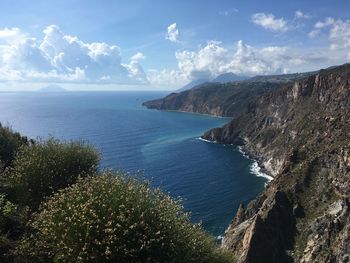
x=63, y=58
x=300, y=15
x=214, y=59
x=134, y=68
x=11, y=35
x=229, y=12
x=173, y=33
x=340, y=35
x=338, y=32
x=268, y=21
x=327, y=22
x=204, y=63
x=167, y=78
x=313, y=33
x=320, y=25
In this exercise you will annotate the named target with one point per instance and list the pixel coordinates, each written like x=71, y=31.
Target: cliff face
x=300, y=135
x=229, y=99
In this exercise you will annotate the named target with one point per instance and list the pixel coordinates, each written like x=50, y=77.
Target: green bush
x=10, y=142
x=113, y=218
x=12, y=224
x=46, y=166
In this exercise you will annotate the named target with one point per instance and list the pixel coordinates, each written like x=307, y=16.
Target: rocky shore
x=299, y=134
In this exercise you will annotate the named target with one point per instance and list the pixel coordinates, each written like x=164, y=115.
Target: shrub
x=12, y=224
x=10, y=142
x=46, y=166
x=113, y=218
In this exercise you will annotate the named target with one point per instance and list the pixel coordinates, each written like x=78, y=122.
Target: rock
x=303, y=216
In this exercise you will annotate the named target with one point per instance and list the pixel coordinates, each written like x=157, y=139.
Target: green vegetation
x=10, y=142
x=11, y=225
x=111, y=218
x=46, y=166
x=55, y=206
x=227, y=99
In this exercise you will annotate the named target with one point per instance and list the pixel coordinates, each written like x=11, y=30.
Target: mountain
x=284, y=78
x=52, y=88
x=192, y=84
x=228, y=99
x=299, y=133
x=229, y=77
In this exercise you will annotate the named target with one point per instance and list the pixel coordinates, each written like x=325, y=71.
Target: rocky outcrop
x=264, y=233
x=299, y=133
x=228, y=99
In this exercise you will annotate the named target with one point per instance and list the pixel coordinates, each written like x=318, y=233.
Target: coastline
x=191, y=112
x=205, y=140
x=255, y=168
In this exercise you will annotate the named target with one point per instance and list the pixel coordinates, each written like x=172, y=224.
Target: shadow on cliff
x=274, y=233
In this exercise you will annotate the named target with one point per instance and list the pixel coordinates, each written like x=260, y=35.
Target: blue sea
x=212, y=179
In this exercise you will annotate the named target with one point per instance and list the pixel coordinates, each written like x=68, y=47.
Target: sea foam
x=256, y=170
x=208, y=141
x=254, y=167
x=240, y=149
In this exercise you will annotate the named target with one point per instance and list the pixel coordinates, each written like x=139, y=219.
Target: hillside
x=223, y=78
x=222, y=99
x=229, y=77
x=228, y=99
x=192, y=84
x=284, y=78
x=300, y=135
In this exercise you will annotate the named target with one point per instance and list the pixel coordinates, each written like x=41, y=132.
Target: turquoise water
x=212, y=179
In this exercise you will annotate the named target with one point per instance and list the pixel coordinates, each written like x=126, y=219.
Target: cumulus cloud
x=63, y=58
x=173, y=33
x=214, y=59
x=134, y=68
x=11, y=35
x=268, y=21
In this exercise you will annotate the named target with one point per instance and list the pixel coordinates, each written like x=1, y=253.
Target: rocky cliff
x=299, y=133
x=228, y=99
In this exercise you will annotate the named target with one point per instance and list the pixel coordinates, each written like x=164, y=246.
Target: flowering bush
x=114, y=218
x=46, y=166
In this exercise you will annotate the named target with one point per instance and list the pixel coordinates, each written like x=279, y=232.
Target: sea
x=161, y=146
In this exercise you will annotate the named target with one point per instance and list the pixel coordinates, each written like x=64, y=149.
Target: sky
x=163, y=44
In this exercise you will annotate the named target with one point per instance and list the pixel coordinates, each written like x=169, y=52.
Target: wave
x=240, y=149
x=254, y=167
x=256, y=170
x=204, y=140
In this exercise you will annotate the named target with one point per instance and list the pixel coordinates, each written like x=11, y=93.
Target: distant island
x=52, y=88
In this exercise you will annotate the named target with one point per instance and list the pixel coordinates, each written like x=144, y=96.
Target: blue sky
x=165, y=44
